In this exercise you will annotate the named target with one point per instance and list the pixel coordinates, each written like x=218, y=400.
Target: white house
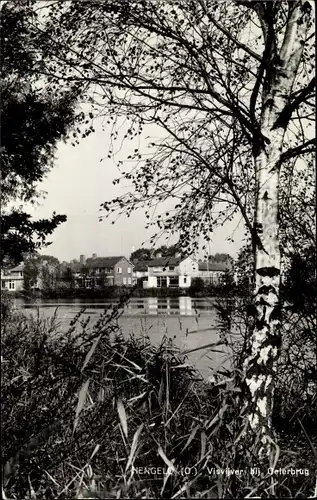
x=213, y=272
x=167, y=272
x=12, y=280
x=140, y=271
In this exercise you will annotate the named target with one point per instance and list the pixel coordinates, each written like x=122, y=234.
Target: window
x=129, y=270
x=11, y=285
x=119, y=270
x=124, y=281
x=174, y=282
x=185, y=280
x=171, y=268
x=3, y=284
x=161, y=282
x=129, y=281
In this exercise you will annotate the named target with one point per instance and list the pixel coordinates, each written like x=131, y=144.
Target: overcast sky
x=77, y=185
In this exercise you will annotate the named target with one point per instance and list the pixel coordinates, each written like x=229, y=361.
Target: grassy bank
x=116, y=291
x=88, y=410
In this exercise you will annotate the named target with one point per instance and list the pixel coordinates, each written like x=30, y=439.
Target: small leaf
x=203, y=440
x=169, y=464
x=123, y=417
x=134, y=446
x=90, y=353
x=135, y=398
x=191, y=437
x=214, y=344
x=81, y=401
x=95, y=451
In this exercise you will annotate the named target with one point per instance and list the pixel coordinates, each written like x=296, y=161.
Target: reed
x=88, y=413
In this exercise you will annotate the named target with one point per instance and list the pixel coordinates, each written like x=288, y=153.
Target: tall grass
x=89, y=413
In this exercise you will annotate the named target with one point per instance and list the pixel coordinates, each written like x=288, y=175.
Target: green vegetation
x=85, y=410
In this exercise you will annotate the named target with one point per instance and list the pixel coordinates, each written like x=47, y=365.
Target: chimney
x=158, y=255
x=94, y=256
x=82, y=260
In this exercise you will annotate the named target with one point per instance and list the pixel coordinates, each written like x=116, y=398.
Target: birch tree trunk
x=265, y=340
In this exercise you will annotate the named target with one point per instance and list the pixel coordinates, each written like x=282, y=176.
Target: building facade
x=168, y=272
x=98, y=272
x=213, y=272
x=177, y=272
x=13, y=279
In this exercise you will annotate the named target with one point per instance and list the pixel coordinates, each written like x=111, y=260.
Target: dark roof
x=214, y=266
x=103, y=261
x=141, y=265
x=165, y=261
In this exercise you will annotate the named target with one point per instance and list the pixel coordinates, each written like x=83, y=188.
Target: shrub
x=197, y=287
x=6, y=305
x=80, y=409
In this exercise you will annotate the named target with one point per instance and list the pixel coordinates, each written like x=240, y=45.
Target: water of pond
x=191, y=323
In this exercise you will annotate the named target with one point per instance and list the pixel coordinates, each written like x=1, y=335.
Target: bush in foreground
x=88, y=410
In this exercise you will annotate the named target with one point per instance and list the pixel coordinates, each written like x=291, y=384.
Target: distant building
x=140, y=271
x=13, y=279
x=213, y=272
x=167, y=272
x=97, y=272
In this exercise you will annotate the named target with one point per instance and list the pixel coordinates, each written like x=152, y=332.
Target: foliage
x=227, y=283
x=30, y=274
x=229, y=90
x=141, y=254
x=68, y=276
x=197, y=286
x=43, y=268
x=220, y=257
x=300, y=284
x=296, y=389
x=6, y=302
x=152, y=253
x=63, y=436
x=206, y=104
x=34, y=118
x=21, y=235
x=298, y=209
x=167, y=251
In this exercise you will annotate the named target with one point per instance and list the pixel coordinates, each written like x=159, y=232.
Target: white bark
x=265, y=341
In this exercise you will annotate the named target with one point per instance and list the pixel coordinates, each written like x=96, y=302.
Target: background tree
x=30, y=273
x=150, y=253
x=197, y=287
x=230, y=87
x=43, y=270
x=35, y=115
x=67, y=277
x=220, y=257
x=300, y=281
x=167, y=251
x=141, y=254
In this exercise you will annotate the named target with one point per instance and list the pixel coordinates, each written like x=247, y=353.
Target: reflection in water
x=180, y=306
x=190, y=322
